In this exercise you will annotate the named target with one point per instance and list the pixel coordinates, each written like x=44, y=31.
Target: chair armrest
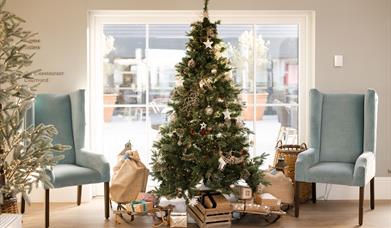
x=304, y=161
x=364, y=169
x=94, y=161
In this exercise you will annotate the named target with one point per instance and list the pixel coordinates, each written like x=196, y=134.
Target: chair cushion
x=342, y=127
x=71, y=175
x=331, y=172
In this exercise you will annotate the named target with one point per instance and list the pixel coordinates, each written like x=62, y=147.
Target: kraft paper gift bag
x=130, y=177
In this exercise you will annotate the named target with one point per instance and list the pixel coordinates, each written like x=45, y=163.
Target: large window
x=134, y=66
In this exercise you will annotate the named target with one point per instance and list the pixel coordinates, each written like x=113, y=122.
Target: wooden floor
x=322, y=214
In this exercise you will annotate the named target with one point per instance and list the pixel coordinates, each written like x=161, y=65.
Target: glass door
x=139, y=74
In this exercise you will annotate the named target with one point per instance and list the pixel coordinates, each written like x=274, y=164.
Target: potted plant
x=242, y=60
x=25, y=152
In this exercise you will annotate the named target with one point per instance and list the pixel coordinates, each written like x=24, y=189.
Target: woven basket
x=290, y=153
x=10, y=206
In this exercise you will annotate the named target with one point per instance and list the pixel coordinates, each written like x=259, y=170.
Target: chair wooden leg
x=79, y=188
x=22, y=205
x=297, y=198
x=360, y=206
x=106, y=196
x=372, y=193
x=46, y=208
x=313, y=192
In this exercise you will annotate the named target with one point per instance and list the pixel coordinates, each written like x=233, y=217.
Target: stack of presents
x=211, y=208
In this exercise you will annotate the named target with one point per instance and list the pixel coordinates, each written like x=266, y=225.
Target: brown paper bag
x=130, y=177
x=280, y=187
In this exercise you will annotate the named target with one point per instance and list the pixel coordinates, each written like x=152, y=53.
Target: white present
x=178, y=219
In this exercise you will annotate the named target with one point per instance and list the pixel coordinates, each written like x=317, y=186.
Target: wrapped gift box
x=267, y=199
x=215, y=200
x=253, y=207
x=146, y=197
x=178, y=219
x=250, y=207
x=237, y=206
x=140, y=206
x=244, y=192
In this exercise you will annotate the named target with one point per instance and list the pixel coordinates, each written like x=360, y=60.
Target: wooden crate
x=205, y=217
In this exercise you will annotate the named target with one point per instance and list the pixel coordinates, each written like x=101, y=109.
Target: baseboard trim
x=341, y=192
x=337, y=192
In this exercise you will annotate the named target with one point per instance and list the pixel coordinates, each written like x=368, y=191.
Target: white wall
x=358, y=29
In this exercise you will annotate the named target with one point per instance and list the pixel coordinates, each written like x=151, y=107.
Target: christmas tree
x=205, y=141
x=25, y=153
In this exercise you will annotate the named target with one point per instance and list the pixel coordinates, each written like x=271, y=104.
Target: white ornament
x=218, y=54
x=239, y=123
x=208, y=43
x=172, y=117
x=191, y=63
x=219, y=135
x=213, y=71
x=222, y=163
x=228, y=75
x=220, y=100
x=209, y=110
x=203, y=125
x=202, y=83
x=227, y=114
x=193, y=202
x=178, y=81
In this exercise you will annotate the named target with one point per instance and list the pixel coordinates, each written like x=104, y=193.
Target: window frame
x=306, y=55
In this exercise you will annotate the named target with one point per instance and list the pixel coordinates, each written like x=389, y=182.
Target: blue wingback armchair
x=342, y=144
x=66, y=113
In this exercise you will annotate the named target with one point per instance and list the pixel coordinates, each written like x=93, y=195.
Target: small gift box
x=257, y=208
x=237, y=206
x=146, y=197
x=244, y=192
x=270, y=201
x=140, y=206
x=215, y=200
x=178, y=219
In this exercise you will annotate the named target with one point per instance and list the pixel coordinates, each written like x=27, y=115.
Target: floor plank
x=322, y=214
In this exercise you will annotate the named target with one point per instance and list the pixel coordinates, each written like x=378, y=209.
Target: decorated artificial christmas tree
x=25, y=153
x=205, y=141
